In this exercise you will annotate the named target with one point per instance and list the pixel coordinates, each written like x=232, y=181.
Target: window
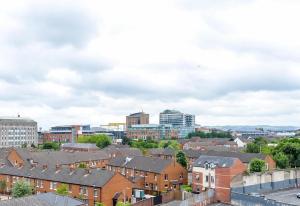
x=181, y=176
x=206, y=166
x=53, y=185
x=70, y=188
x=166, y=176
x=95, y=193
x=155, y=177
x=212, y=179
x=206, y=178
x=197, y=177
x=146, y=174
x=166, y=186
x=40, y=184
x=146, y=184
x=83, y=190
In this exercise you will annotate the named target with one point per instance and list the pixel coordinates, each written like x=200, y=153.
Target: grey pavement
x=286, y=196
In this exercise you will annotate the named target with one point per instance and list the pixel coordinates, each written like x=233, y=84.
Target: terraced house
x=91, y=185
x=153, y=175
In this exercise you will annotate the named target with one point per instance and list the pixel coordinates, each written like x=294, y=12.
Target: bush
x=21, y=189
x=186, y=188
x=82, y=165
x=282, y=161
x=62, y=189
x=181, y=159
x=51, y=145
x=257, y=165
x=101, y=140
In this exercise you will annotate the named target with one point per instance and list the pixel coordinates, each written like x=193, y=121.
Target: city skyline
x=229, y=63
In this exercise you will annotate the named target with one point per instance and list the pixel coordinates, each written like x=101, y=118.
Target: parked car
x=298, y=195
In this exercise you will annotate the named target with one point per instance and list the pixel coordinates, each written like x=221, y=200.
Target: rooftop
x=216, y=160
x=43, y=199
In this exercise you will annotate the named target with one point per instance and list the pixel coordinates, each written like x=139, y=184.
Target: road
x=287, y=196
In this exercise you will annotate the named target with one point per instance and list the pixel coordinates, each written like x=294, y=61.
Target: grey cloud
x=56, y=25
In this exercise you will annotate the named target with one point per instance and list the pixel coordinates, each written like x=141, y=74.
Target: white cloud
x=229, y=62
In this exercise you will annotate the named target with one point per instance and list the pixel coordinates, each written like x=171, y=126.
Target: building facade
x=184, y=122
x=66, y=133
x=137, y=118
x=212, y=172
x=15, y=132
x=152, y=131
x=153, y=175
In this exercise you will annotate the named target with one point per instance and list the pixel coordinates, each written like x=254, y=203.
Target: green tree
x=101, y=140
x=172, y=144
x=2, y=185
x=21, y=189
x=123, y=204
x=99, y=204
x=62, y=189
x=24, y=145
x=282, y=161
x=82, y=165
x=257, y=165
x=181, y=159
x=51, y=145
x=252, y=148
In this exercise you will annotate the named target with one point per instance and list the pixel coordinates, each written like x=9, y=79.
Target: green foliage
x=181, y=159
x=213, y=134
x=282, y=160
x=51, y=145
x=99, y=204
x=82, y=165
x=252, y=148
x=101, y=140
x=172, y=144
x=62, y=189
x=2, y=185
x=24, y=145
x=187, y=188
x=144, y=144
x=258, y=145
x=123, y=204
x=126, y=141
x=257, y=165
x=290, y=147
x=21, y=189
x=32, y=145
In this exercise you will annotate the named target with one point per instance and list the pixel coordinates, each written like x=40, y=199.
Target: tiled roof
x=162, y=151
x=216, y=160
x=122, y=151
x=244, y=157
x=43, y=199
x=61, y=157
x=89, y=177
x=148, y=164
x=192, y=153
x=80, y=145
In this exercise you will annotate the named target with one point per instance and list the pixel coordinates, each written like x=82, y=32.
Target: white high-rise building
x=184, y=122
x=17, y=131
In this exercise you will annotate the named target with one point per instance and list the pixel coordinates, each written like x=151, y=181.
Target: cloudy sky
x=227, y=62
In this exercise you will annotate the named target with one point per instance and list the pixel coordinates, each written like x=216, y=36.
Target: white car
x=298, y=195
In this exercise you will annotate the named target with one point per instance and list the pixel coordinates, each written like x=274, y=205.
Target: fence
x=247, y=200
x=202, y=199
x=146, y=202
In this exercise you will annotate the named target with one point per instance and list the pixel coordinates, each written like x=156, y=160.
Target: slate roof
x=43, y=199
x=61, y=157
x=162, y=151
x=91, y=177
x=79, y=145
x=122, y=151
x=218, y=161
x=244, y=157
x=148, y=164
x=192, y=153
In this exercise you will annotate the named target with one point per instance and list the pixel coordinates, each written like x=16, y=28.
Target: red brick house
x=153, y=175
x=91, y=185
x=213, y=172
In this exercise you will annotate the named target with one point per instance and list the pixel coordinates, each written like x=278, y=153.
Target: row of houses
x=109, y=176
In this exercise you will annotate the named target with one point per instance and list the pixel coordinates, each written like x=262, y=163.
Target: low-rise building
x=91, y=185
x=152, y=131
x=163, y=153
x=20, y=157
x=214, y=172
x=80, y=147
x=153, y=175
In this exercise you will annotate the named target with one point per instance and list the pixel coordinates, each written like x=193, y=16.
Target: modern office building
x=66, y=133
x=137, y=118
x=184, y=122
x=17, y=131
x=152, y=131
